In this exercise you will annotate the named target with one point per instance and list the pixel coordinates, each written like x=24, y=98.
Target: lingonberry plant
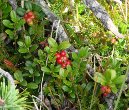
x=109, y=80
x=62, y=56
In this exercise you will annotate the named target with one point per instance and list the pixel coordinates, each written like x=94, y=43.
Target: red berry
x=103, y=88
x=30, y=23
x=28, y=20
x=105, y=94
x=68, y=62
x=31, y=15
x=64, y=59
x=63, y=65
x=108, y=90
x=63, y=53
x=57, y=55
x=59, y=60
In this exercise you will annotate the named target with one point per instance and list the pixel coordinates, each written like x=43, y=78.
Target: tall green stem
x=122, y=86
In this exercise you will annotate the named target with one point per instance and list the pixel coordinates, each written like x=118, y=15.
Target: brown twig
x=13, y=3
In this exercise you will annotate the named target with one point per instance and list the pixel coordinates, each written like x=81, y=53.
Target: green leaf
x=113, y=74
x=36, y=8
x=68, y=83
x=110, y=74
x=89, y=86
x=99, y=78
x=119, y=79
x=28, y=5
x=74, y=55
x=23, y=83
x=23, y=50
x=69, y=69
x=4, y=6
x=40, y=54
x=83, y=52
x=36, y=73
x=27, y=41
x=13, y=16
x=33, y=47
x=52, y=42
x=53, y=49
x=114, y=88
x=30, y=69
x=8, y=24
x=38, y=80
x=32, y=85
x=62, y=73
x=31, y=30
x=72, y=94
x=123, y=28
x=47, y=49
x=18, y=75
x=28, y=63
x=6, y=11
x=19, y=24
x=57, y=68
x=64, y=45
x=20, y=11
x=10, y=33
x=65, y=88
x=20, y=43
x=40, y=15
x=45, y=69
x=27, y=56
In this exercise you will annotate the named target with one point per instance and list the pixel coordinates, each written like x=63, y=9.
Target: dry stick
x=22, y=3
x=53, y=98
x=13, y=3
x=79, y=102
x=7, y=75
x=42, y=84
x=42, y=90
x=92, y=99
x=121, y=8
x=40, y=101
x=101, y=14
x=35, y=104
x=57, y=30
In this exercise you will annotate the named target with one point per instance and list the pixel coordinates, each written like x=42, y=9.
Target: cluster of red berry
x=28, y=17
x=105, y=90
x=62, y=59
